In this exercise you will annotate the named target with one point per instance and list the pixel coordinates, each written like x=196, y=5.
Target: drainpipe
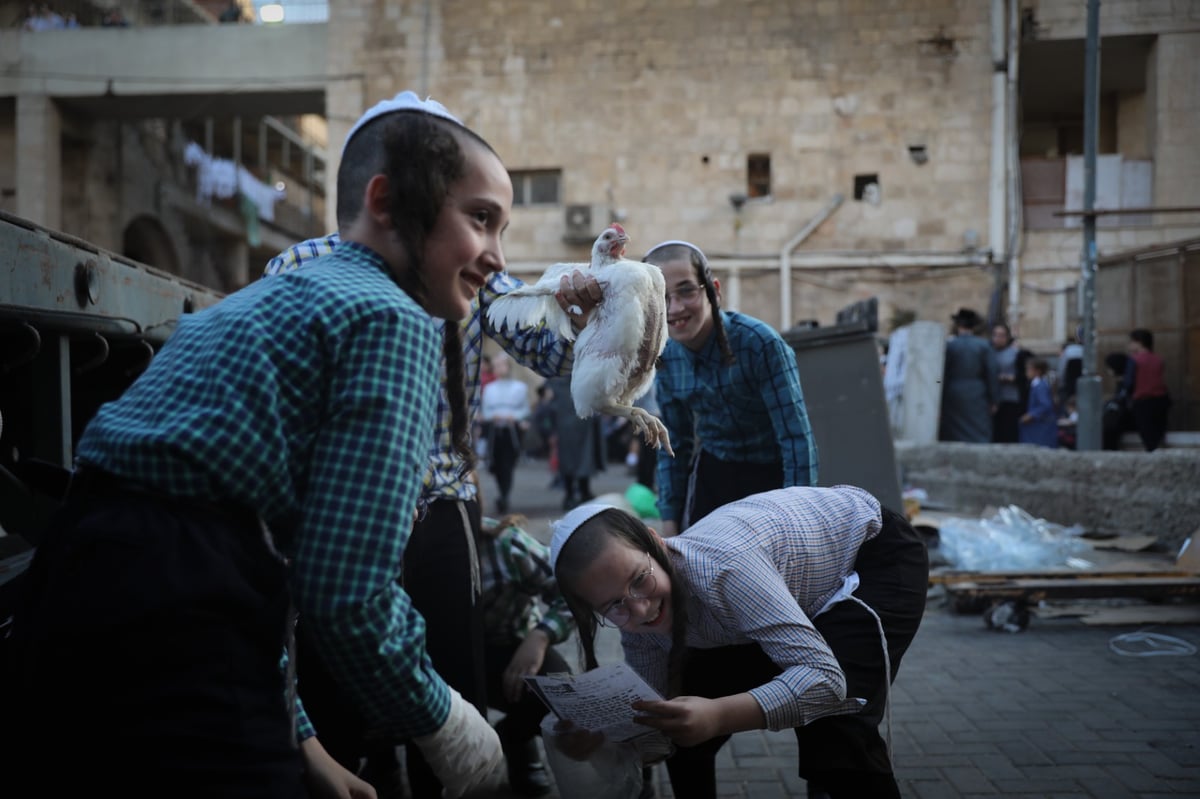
x=1016, y=216
x=996, y=181
x=785, y=259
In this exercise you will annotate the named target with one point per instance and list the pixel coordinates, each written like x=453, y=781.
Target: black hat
x=966, y=318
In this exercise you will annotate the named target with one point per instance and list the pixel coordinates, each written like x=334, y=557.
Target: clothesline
x=223, y=179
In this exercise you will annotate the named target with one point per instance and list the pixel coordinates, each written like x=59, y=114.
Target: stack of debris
x=1010, y=566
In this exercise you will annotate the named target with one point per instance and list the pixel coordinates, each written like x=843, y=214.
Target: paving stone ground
x=1051, y=712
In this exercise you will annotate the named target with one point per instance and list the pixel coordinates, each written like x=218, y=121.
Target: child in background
x=1067, y=425
x=516, y=573
x=1039, y=425
x=1146, y=387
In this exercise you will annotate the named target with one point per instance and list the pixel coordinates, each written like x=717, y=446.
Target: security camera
x=737, y=201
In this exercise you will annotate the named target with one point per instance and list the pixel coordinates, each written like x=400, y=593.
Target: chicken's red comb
x=617, y=228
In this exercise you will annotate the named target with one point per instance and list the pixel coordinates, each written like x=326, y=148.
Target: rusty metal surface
x=58, y=282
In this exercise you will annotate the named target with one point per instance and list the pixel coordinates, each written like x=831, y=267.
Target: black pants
x=522, y=720
x=437, y=577
x=717, y=482
x=145, y=656
x=844, y=755
x=1006, y=423
x=647, y=464
x=504, y=448
x=1150, y=419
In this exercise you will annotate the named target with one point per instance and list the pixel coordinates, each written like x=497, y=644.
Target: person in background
x=1013, y=385
x=580, y=445
x=505, y=412
x=1146, y=387
x=1070, y=367
x=269, y=457
x=486, y=373
x=1068, y=425
x=543, y=426
x=970, y=389
x=526, y=617
x=231, y=13
x=1039, y=424
x=1116, y=417
x=789, y=609
x=730, y=398
x=440, y=570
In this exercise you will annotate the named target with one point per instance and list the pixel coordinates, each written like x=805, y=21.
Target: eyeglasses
x=686, y=294
x=617, y=614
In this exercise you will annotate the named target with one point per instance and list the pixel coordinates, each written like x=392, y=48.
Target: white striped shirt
x=757, y=571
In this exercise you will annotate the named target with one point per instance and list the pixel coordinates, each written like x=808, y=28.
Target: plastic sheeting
x=1011, y=540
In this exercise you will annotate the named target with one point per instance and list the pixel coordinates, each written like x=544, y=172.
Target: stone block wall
x=653, y=108
x=1144, y=493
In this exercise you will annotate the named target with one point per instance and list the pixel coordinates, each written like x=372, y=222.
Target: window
x=866, y=188
x=758, y=175
x=536, y=186
x=1052, y=131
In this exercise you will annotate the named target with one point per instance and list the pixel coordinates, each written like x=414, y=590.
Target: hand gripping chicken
x=616, y=351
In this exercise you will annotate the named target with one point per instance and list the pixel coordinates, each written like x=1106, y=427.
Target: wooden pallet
x=974, y=591
x=1068, y=575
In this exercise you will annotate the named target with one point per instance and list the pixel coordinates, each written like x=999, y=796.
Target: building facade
x=925, y=152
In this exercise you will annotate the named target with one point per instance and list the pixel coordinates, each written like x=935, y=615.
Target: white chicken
x=616, y=351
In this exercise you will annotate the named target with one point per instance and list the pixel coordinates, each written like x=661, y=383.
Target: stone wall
x=651, y=109
x=1144, y=493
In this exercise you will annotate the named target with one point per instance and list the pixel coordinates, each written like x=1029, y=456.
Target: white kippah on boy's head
x=565, y=527
x=404, y=101
x=677, y=243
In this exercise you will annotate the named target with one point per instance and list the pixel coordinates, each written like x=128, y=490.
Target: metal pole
x=1087, y=389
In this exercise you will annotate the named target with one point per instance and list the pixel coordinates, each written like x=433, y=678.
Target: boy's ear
x=658, y=538
x=376, y=200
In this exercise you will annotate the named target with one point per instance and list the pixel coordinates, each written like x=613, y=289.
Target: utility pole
x=1087, y=389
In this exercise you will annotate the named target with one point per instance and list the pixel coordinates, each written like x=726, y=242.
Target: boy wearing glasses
x=729, y=382
x=787, y=609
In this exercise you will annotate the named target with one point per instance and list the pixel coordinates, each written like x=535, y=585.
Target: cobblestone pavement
x=1047, y=712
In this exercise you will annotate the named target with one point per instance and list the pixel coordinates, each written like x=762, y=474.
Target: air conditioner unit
x=583, y=223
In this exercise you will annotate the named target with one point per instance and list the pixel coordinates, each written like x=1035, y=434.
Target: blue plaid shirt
x=537, y=348
x=757, y=571
x=751, y=411
x=308, y=397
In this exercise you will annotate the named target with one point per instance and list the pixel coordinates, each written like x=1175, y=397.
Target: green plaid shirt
x=308, y=397
x=516, y=574
x=537, y=348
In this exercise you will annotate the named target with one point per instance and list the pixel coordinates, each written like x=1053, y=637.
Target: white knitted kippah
x=565, y=527
x=404, y=101
x=674, y=242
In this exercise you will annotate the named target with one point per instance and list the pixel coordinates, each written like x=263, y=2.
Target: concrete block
x=1147, y=493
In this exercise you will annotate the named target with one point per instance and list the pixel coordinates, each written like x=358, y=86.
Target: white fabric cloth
x=222, y=179
x=465, y=752
x=848, y=587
